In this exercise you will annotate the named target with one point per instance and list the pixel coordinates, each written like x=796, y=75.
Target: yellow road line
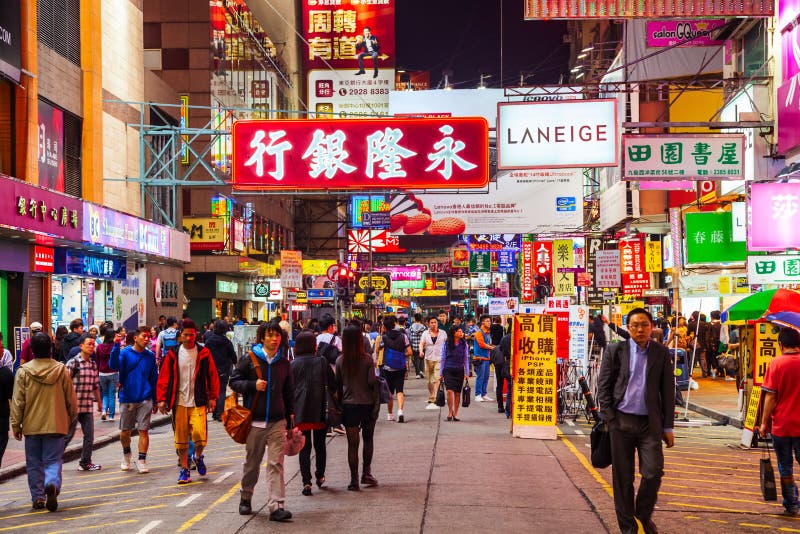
x=140, y=509
x=37, y=512
x=79, y=517
x=708, y=497
x=199, y=517
x=718, y=490
x=672, y=471
x=787, y=529
x=754, y=525
x=104, y=525
x=717, y=508
x=718, y=521
x=690, y=517
x=27, y=525
x=587, y=465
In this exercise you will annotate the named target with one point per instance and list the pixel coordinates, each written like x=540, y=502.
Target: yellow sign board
x=751, y=418
x=766, y=349
x=534, y=392
x=563, y=257
x=429, y=292
x=317, y=267
x=652, y=257
x=205, y=233
x=724, y=285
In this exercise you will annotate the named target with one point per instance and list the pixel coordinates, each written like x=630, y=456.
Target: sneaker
x=487, y=398
x=126, y=462
x=281, y=515
x=141, y=466
x=431, y=406
x=307, y=490
x=103, y=417
x=390, y=417
x=245, y=508
x=478, y=398
x=792, y=511
x=38, y=504
x=89, y=467
x=201, y=465
x=401, y=418
x=369, y=480
x=340, y=430
x=52, y=493
x=110, y=419
x=184, y=477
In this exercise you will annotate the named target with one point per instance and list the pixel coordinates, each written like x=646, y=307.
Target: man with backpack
x=86, y=380
x=393, y=352
x=167, y=340
x=415, y=335
x=329, y=345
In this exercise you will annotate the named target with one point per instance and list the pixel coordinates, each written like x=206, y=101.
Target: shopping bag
x=600, y=440
x=768, y=488
x=295, y=441
x=386, y=394
x=236, y=419
x=466, y=395
x=440, y=401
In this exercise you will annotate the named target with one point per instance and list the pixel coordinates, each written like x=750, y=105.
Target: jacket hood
x=394, y=334
x=72, y=336
x=44, y=370
x=417, y=327
x=258, y=350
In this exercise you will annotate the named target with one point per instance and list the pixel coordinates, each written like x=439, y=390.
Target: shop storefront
x=214, y=296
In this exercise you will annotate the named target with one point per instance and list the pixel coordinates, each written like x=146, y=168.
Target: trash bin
x=681, y=373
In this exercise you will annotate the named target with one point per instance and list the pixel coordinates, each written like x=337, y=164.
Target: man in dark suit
x=368, y=46
x=636, y=393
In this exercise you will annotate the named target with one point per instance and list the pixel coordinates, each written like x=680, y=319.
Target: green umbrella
x=763, y=303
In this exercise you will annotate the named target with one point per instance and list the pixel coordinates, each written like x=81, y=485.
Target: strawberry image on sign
x=447, y=226
x=417, y=224
x=396, y=222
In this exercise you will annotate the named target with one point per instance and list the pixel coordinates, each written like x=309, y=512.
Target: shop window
x=58, y=26
x=7, y=129
x=72, y=155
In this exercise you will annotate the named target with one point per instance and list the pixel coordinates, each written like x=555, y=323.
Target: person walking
x=86, y=379
x=482, y=347
x=414, y=336
x=43, y=407
x=138, y=375
x=188, y=386
x=393, y=351
x=357, y=392
x=454, y=369
x=109, y=378
x=431, y=346
x=224, y=356
x=6, y=359
x=168, y=339
x=264, y=377
x=501, y=360
x=636, y=395
x=26, y=354
x=781, y=398
x=6, y=392
x=313, y=379
x=70, y=340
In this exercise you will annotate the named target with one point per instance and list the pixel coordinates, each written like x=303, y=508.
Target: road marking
x=754, y=525
x=588, y=466
x=188, y=500
x=222, y=477
x=571, y=423
x=153, y=507
x=708, y=497
x=579, y=432
x=199, y=517
x=701, y=507
x=26, y=525
x=149, y=526
x=718, y=521
x=85, y=516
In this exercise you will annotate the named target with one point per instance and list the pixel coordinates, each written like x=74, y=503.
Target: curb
x=716, y=415
x=73, y=451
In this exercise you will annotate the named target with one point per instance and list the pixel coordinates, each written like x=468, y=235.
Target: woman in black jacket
x=224, y=356
x=313, y=378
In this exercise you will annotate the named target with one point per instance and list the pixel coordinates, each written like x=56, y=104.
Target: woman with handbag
x=313, y=378
x=264, y=377
x=358, y=393
x=454, y=369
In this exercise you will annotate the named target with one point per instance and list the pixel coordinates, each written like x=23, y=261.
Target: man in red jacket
x=188, y=385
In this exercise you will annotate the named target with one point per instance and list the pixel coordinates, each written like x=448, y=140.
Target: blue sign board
x=506, y=261
x=363, y=204
x=319, y=294
x=566, y=204
x=90, y=265
x=493, y=242
x=376, y=220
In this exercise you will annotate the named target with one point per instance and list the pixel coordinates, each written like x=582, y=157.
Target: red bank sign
x=442, y=153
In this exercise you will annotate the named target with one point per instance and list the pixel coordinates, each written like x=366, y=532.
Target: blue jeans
x=783, y=452
x=43, y=461
x=108, y=392
x=482, y=377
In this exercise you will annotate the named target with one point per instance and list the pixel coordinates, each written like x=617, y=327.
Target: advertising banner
x=402, y=273
x=493, y=242
x=559, y=306
x=129, y=300
x=534, y=355
x=380, y=241
x=663, y=33
x=447, y=153
x=205, y=233
x=563, y=258
x=774, y=216
x=103, y=226
x=632, y=255
x=607, y=269
x=563, y=134
x=10, y=41
x=506, y=262
x=603, y=9
x=652, y=257
x=526, y=271
x=579, y=334
x=291, y=268
x=506, y=209
x=766, y=350
x=788, y=102
x=675, y=235
x=594, y=295
x=21, y=335
x=480, y=262
x=503, y=305
x=51, y=147
x=335, y=36
x=362, y=204
x=40, y=210
x=459, y=257
x=708, y=239
x=42, y=259
x=683, y=157
x=773, y=269
x=80, y=263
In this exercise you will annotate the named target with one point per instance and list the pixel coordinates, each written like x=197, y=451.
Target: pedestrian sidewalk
x=715, y=398
x=105, y=432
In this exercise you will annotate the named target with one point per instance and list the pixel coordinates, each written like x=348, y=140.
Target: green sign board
x=480, y=262
x=709, y=239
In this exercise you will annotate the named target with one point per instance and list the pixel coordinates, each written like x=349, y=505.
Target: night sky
x=464, y=36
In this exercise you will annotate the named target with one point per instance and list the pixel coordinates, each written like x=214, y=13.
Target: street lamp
x=483, y=76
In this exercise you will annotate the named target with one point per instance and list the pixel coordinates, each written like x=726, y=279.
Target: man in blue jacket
x=138, y=376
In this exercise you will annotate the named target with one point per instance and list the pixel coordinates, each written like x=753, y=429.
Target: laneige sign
x=546, y=135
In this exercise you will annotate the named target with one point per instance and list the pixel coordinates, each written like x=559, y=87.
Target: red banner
x=631, y=253
x=526, y=256
x=605, y=9
x=442, y=153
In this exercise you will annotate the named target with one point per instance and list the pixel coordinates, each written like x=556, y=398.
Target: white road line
x=571, y=423
x=148, y=527
x=222, y=477
x=188, y=500
x=579, y=432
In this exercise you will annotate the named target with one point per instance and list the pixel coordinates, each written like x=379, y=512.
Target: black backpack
x=329, y=351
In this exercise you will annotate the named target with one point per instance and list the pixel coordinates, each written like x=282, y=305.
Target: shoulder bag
x=466, y=394
x=440, y=395
x=237, y=419
x=768, y=489
x=600, y=440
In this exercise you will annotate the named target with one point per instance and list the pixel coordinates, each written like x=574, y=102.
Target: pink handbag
x=295, y=441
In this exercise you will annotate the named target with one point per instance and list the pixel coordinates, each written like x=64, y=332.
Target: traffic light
x=369, y=295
